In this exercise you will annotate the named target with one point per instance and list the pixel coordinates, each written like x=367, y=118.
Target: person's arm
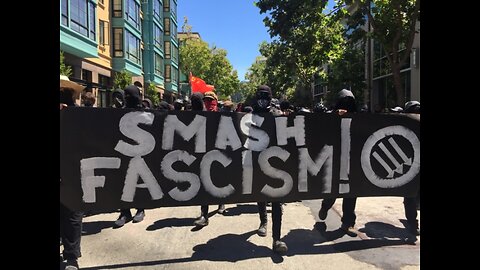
x=63, y=105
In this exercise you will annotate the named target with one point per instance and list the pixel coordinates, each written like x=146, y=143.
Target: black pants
x=70, y=232
x=348, y=209
x=204, y=209
x=277, y=212
x=127, y=213
x=410, y=205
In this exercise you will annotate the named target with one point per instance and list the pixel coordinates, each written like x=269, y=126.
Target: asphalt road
x=167, y=239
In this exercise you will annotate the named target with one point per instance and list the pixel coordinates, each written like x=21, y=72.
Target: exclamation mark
x=345, y=156
x=247, y=174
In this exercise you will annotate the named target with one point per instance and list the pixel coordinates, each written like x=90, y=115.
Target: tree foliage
x=393, y=25
x=122, y=79
x=347, y=72
x=64, y=69
x=208, y=63
x=152, y=94
x=305, y=38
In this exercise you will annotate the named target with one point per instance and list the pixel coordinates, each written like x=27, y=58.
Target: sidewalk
x=166, y=239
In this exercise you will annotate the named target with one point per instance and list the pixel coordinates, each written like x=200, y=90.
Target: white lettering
x=180, y=177
x=129, y=127
x=196, y=128
x=89, y=180
x=263, y=158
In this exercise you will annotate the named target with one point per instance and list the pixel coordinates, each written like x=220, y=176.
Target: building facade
x=102, y=37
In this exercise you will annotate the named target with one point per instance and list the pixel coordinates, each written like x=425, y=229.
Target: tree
x=306, y=38
x=64, y=69
x=208, y=63
x=393, y=25
x=152, y=94
x=122, y=79
x=347, y=72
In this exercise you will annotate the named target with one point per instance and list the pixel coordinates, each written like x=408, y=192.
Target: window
x=156, y=9
x=166, y=26
x=104, y=81
x=132, y=13
x=174, y=54
x=102, y=98
x=65, y=12
x=158, y=64
x=166, y=5
x=158, y=37
x=117, y=8
x=173, y=9
x=91, y=21
x=167, y=73
x=132, y=48
x=103, y=32
x=174, y=75
x=86, y=75
x=78, y=18
x=174, y=31
x=117, y=42
x=167, y=50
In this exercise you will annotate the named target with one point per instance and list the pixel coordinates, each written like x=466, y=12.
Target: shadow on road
x=95, y=227
x=236, y=247
x=242, y=209
x=171, y=222
x=381, y=230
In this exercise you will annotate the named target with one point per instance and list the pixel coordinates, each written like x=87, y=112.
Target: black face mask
x=263, y=103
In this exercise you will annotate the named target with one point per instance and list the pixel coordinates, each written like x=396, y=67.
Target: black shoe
x=201, y=221
x=139, y=216
x=262, y=230
x=322, y=214
x=348, y=230
x=279, y=247
x=221, y=209
x=72, y=265
x=122, y=219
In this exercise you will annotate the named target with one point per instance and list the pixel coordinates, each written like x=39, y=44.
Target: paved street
x=166, y=239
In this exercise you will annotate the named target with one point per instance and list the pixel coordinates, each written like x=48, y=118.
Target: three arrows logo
x=400, y=167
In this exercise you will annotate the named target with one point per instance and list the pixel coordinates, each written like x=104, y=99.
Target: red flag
x=199, y=85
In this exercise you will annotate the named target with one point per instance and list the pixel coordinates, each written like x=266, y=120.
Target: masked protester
x=262, y=104
x=132, y=100
x=210, y=102
x=345, y=104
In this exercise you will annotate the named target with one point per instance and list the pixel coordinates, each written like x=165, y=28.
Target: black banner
x=121, y=158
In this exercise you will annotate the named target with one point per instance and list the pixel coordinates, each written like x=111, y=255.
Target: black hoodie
x=346, y=101
x=132, y=97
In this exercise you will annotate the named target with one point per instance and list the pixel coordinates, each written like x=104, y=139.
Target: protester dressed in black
x=132, y=98
x=345, y=103
x=262, y=104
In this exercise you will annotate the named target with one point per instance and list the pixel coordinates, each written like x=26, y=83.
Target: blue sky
x=234, y=25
